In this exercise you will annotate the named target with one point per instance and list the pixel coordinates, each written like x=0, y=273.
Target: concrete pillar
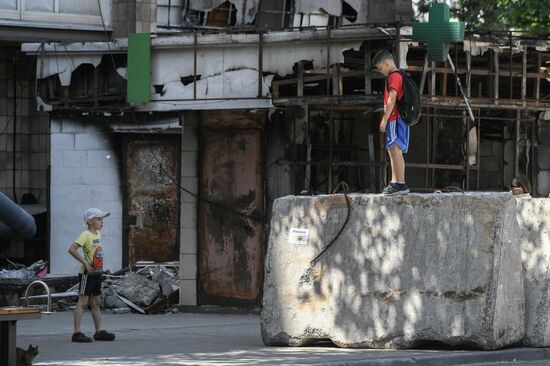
x=189, y=209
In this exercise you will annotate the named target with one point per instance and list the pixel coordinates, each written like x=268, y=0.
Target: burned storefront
x=247, y=103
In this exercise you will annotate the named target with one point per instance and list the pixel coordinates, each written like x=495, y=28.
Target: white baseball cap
x=93, y=213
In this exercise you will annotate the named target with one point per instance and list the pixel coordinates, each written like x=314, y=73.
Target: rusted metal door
x=151, y=199
x=231, y=247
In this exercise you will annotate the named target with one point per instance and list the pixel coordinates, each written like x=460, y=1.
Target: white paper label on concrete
x=298, y=236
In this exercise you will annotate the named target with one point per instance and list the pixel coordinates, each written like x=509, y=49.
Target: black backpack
x=409, y=104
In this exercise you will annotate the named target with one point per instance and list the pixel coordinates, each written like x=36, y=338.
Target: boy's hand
x=383, y=126
x=89, y=269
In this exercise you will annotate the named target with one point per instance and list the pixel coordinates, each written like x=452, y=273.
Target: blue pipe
x=15, y=223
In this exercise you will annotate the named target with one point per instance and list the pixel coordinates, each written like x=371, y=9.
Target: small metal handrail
x=46, y=287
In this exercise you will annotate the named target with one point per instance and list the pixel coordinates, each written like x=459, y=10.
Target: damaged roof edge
x=227, y=40
x=77, y=47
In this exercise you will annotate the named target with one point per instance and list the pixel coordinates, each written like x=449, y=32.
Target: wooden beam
x=496, y=77
x=336, y=80
x=300, y=83
x=366, y=69
x=537, y=82
x=524, y=75
x=516, y=146
x=432, y=79
x=444, y=87
x=479, y=72
x=468, y=74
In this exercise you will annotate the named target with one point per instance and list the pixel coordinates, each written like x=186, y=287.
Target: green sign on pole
x=438, y=32
x=139, y=68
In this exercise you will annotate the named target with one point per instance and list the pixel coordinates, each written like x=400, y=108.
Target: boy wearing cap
x=90, y=275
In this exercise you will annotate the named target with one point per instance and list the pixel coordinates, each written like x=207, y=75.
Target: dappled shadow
x=404, y=270
x=533, y=216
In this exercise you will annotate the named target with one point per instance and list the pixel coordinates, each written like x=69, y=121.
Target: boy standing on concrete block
x=397, y=131
x=90, y=275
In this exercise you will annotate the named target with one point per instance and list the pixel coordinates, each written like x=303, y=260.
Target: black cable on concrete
x=345, y=190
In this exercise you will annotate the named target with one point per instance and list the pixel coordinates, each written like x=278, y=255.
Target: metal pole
x=427, y=144
x=524, y=76
x=195, y=47
x=294, y=151
x=260, y=63
x=478, y=153
x=328, y=61
x=331, y=128
x=14, y=128
x=511, y=78
x=467, y=125
x=461, y=90
x=398, y=44
x=516, y=147
x=424, y=73
x=497, y=75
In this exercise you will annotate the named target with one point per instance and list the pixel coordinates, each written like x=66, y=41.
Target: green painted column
x=139, y=68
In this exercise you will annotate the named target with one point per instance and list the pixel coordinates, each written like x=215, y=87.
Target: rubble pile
x=20, y=271
x=145, y=287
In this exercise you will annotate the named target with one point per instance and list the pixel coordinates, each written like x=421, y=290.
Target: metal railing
x=46, y=287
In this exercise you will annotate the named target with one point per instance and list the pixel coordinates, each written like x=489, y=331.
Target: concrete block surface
x=533, y=216
x=405, y=270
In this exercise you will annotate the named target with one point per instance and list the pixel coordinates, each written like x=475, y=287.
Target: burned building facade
x=188, y=136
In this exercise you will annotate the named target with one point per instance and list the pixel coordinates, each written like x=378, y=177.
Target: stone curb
x=475, y=357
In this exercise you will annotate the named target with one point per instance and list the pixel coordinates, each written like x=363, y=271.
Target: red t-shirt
x=395, y=81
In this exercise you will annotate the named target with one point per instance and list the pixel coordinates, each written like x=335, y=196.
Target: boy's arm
x=73, y=250
x=392, y=96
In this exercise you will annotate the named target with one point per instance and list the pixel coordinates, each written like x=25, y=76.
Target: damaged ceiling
x=246, y=9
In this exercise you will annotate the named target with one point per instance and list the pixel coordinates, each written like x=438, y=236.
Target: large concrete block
x=404, y=270
x=534, y=222
x=543, y=182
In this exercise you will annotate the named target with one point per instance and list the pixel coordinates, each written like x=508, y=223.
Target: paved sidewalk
x=211, y=339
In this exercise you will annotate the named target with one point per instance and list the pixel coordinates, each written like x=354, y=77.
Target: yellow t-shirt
x=92, y=248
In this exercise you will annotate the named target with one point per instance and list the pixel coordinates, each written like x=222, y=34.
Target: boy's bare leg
x=78, y=310
x=397, y=164
x=392, y=166
x=96, y=312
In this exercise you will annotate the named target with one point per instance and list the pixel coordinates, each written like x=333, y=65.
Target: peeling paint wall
x=232, y=72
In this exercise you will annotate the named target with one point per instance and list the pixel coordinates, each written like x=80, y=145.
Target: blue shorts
x=397, y=132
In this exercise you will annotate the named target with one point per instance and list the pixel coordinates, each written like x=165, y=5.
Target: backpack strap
x=393, y=72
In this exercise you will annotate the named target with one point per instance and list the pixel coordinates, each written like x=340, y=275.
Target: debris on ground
x=145, y=287
x=16, y=270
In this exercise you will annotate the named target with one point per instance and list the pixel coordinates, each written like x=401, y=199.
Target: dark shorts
x=90, y=284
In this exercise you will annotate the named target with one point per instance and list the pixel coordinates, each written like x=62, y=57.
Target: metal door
x=230, y=246
x=152, y=199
